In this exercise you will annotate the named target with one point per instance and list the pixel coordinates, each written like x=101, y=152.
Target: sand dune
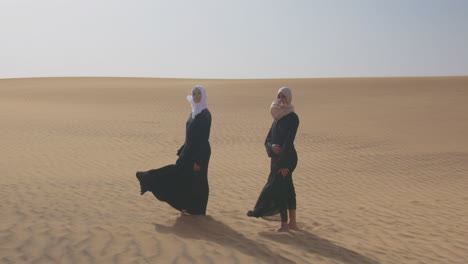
x=382, y=173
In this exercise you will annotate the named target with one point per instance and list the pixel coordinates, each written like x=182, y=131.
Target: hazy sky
x=233, y=39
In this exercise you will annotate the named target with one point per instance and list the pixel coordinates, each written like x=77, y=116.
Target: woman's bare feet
x=284, y=228
x=293, y=226
x=292, y=220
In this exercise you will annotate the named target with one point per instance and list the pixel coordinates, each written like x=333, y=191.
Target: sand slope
x=382, y=173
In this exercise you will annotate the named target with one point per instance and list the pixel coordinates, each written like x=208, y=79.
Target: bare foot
x=183, y=212
x=294, y=227
x=283, y=229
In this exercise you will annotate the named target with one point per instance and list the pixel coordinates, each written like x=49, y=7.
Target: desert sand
x=382, y=174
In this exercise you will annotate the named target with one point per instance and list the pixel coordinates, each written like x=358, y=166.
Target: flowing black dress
x=178, y=184
x=278, y=193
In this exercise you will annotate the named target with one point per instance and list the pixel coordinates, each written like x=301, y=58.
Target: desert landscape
x=382, y=174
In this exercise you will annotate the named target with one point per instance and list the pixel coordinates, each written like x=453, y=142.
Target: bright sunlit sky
x=233, y=39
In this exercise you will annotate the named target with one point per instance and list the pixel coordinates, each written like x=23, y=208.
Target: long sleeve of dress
x=196, y=147
x=268, y=144
x=288, y=143
x=187, y=150
x=203, y=132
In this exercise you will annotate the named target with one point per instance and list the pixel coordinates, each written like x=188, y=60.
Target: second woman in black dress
x=184, y=185
x=278, y=195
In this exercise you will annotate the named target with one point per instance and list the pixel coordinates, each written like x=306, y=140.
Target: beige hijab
x=278, y=109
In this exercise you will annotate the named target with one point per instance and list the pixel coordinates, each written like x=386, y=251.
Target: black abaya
x=278, y=193
x=178, y=184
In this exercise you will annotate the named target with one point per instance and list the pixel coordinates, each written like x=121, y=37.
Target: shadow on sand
x=314, y=244
x=210, y=229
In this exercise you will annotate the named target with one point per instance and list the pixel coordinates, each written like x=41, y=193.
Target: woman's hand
x=276, y=148
x=196, y=167
x=284, y=172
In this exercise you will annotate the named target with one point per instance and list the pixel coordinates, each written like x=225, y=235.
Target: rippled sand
x=382, y=173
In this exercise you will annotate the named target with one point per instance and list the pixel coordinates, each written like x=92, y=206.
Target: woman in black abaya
x=278, y=195
x=184, y=185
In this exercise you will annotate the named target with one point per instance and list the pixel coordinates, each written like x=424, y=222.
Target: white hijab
x=278, y=109
x=197, y=107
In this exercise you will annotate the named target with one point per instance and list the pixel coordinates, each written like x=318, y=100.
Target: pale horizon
x=233, y=40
